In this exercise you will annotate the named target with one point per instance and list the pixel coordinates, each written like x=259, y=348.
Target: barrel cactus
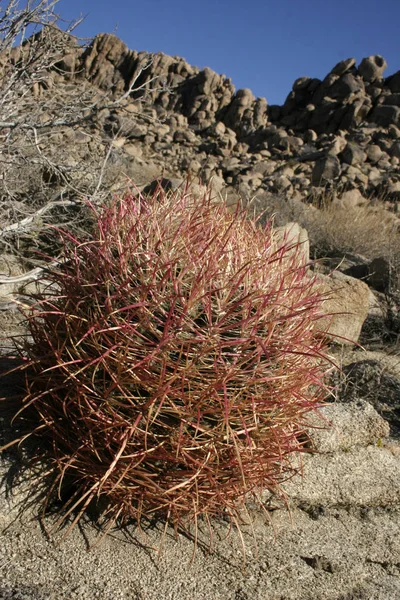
x=173, y=360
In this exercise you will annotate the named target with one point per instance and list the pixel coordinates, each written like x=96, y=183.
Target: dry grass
x=336, y=229
x=369, y=230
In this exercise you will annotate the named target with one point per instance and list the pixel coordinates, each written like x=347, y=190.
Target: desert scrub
x=173, y=365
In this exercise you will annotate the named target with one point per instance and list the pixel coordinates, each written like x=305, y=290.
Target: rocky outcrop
x=340, y=132
x=346, y=306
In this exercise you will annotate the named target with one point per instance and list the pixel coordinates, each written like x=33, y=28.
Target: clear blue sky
x=263, y=45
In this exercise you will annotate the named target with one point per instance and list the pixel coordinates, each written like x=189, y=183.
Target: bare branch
x=35, y=160
x=23, y=225
x=32, y=275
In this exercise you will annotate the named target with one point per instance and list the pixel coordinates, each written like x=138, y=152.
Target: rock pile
x=343, y=131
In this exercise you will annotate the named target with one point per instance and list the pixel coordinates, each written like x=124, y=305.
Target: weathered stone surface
x=374, y=176
x=344, y=426
x=351, y=199
x=373, y=152
x=358, y=477
x=316, y=552
x=392, y=99
x=264, y=167
x=346, y=85
x=353, y=154
x=377, y=383
x=372, y=67
x=385, y=115
x=325, y=170
x=395, y=149
x=281, y=183
x=337, y=146
x=346, y=306
x=343, y=66
x=104, y=59
x=394, y=83
x=301, y=83
x=244, y=113
x=294, y=235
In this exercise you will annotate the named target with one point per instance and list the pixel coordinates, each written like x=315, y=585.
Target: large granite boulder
x=346, y=306
x=372, y=67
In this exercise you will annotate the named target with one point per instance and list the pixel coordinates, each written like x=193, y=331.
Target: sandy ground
x=325, y=554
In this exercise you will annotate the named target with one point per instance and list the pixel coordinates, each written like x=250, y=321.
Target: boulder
x=105, y=61
x=394, y=132
x=385, y=115
x=375, y=382
x=353, y=466
x=354, y=477
x=281, y=183
x=372, y=67
x=245, y=113
x=140, y=171
x=351, y=199
x=393, y=189
x=354, y=265
x=294, y=235
x=208, y=81
x=393, y=83
x=301, y=83
x=320, y=118
x=353, y=154
x=346, y=85
x=343, y=66
x=325, y=170
x=338, y=426
x=374, y=176
x=373, y=152
x=264, y=167
x=395, y=150
x=346, y=306
x=392, y=99
x=337, y=146
x=185, y=136
x=379, y=274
